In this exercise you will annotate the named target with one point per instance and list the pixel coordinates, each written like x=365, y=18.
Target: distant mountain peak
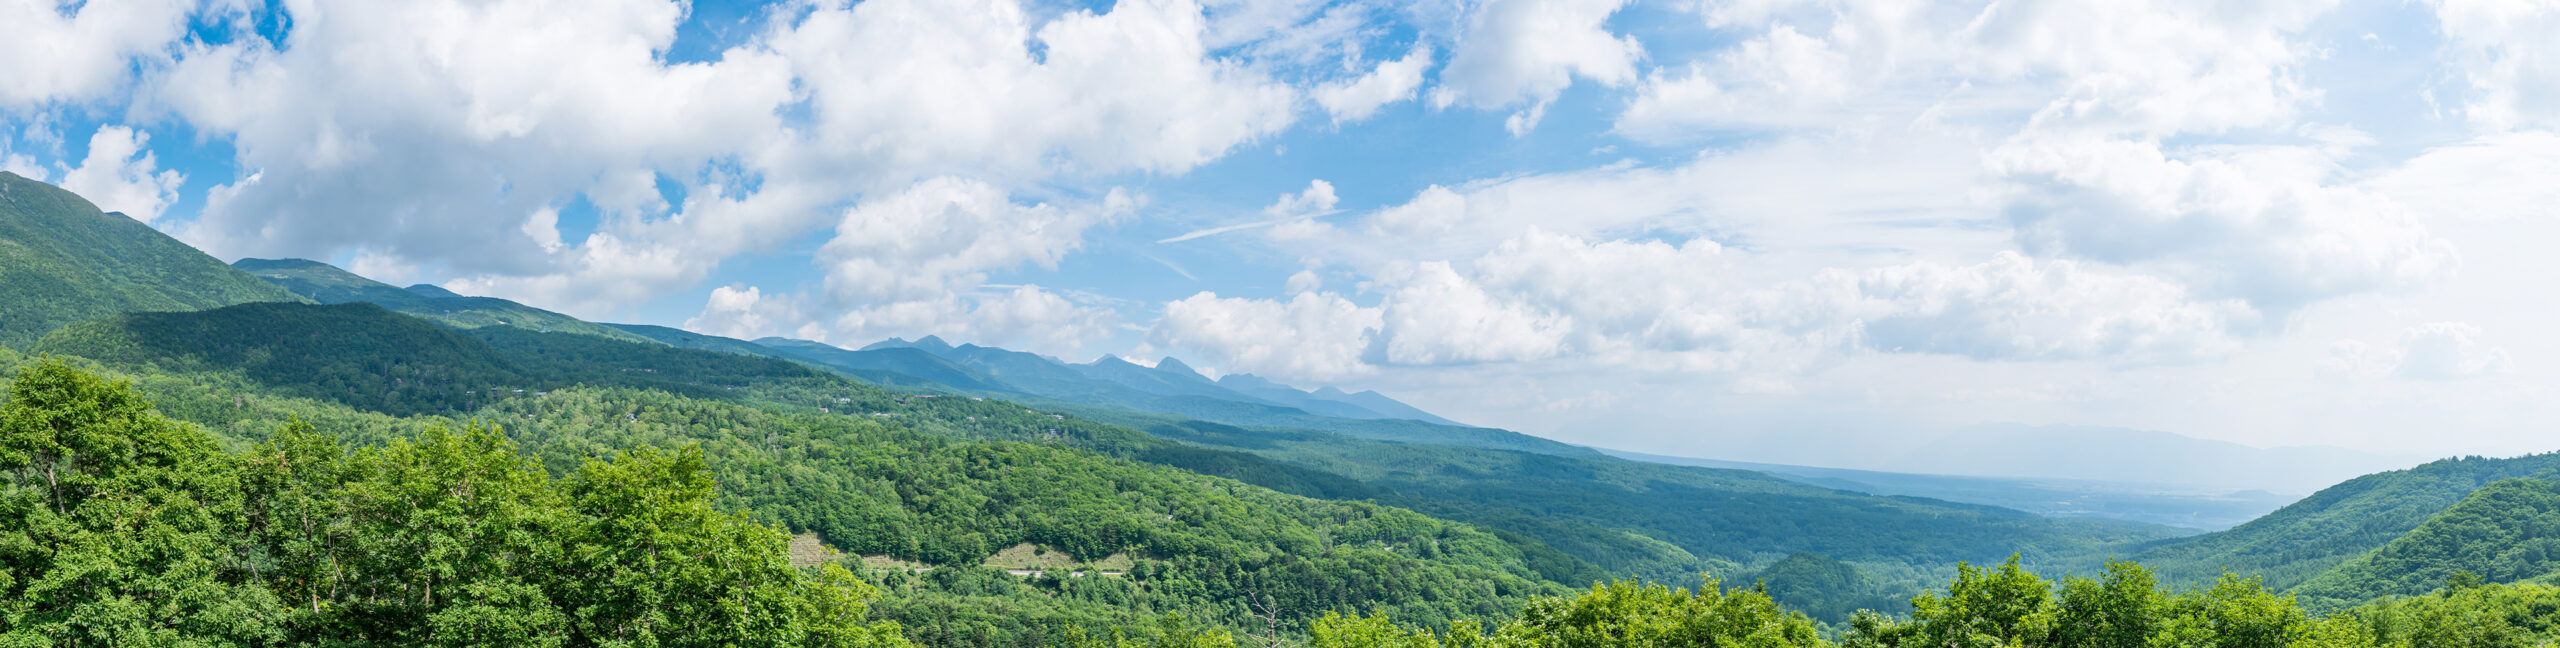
x=932, y=343
x=1169, y=364
x=1329, y=391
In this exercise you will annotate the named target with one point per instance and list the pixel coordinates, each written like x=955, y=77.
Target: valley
x=967, y=495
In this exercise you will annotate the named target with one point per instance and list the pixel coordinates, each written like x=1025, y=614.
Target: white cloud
x=1434, y=316
x=2016, y=308
x=2265, y=224
x=78, y=52
x=1434, y=210
x=916, y=263
x=1305, y=281
x=2495, y=177
x=942, y=236
x=120, y=175
x=2447, y=351
x=1529, y=51
x=926, y=87
x=744, y=312
x=2151, y=67
x=2505, y=48
x=1352, y=100
x=2434, y=351
x=415, y=129
x=1311, y=336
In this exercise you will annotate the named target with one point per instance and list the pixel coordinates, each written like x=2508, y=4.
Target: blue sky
x=1693, y=226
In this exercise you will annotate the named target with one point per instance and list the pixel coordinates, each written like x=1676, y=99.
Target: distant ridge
x=2339, y=523
x=328, y=284
x=62, y=261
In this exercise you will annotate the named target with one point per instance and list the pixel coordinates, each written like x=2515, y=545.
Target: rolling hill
x=1587, y=515
x=62, y=261
x=2337, y=524
x=2505, y=532
x=328, y=284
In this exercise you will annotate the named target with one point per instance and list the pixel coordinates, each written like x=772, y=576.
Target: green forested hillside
x=2508, y=531
x=1581, y=517
x=122, y=528
x=357, y=354
x=327, y=284
x=2311, y=536
x=1194, y=545
x=63, y=261
x=691, y=340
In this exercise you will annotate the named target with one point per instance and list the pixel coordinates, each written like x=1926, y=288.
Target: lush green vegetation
x=2339, y=523
x=327, y=284
x=63, y=261
x=358, y=354
x=1999, y=607
x=1669, y=523
x=2506, y=532
x=119, y=527
x=1217, y=552
x=1574, y=519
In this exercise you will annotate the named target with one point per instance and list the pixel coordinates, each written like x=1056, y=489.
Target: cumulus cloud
x=930, y=87
x=120, y=175
x=2501, y=176
x=1528, y=51
x=744, y=312
x=412, y=130
x=1658, y=306
x=79, y=52
x=917, y=262
x=1434, y=316
x=1311, y=336
x=1352, y=100
x=416, y=129
x=2434, y=351
x=943, y=235
x=2147, y=67
x=2265, y=224
x=2506, y=51
x=2016, y=308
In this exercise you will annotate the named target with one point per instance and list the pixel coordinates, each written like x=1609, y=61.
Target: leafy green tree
x=1626, y=614
x=115, y=522
x=2120, y=609
x=1337, y=631
x=1983, y=608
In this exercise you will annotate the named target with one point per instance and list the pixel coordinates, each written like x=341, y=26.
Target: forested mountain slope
x=358, y=354
x=1188, y=543
x=63, y=261
x=1625, y=518
x=2299, y=541
x=2508, y=531
x=327, y=284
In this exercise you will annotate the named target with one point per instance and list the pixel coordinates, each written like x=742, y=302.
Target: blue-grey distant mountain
x=2057, y=452
x=1119, y=389
x=1330, y=401
x=2140, y=502
x=681, y=338
x=904, y=367
x=1168, y=378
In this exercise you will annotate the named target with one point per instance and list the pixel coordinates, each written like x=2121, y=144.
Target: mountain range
x=929, y=460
